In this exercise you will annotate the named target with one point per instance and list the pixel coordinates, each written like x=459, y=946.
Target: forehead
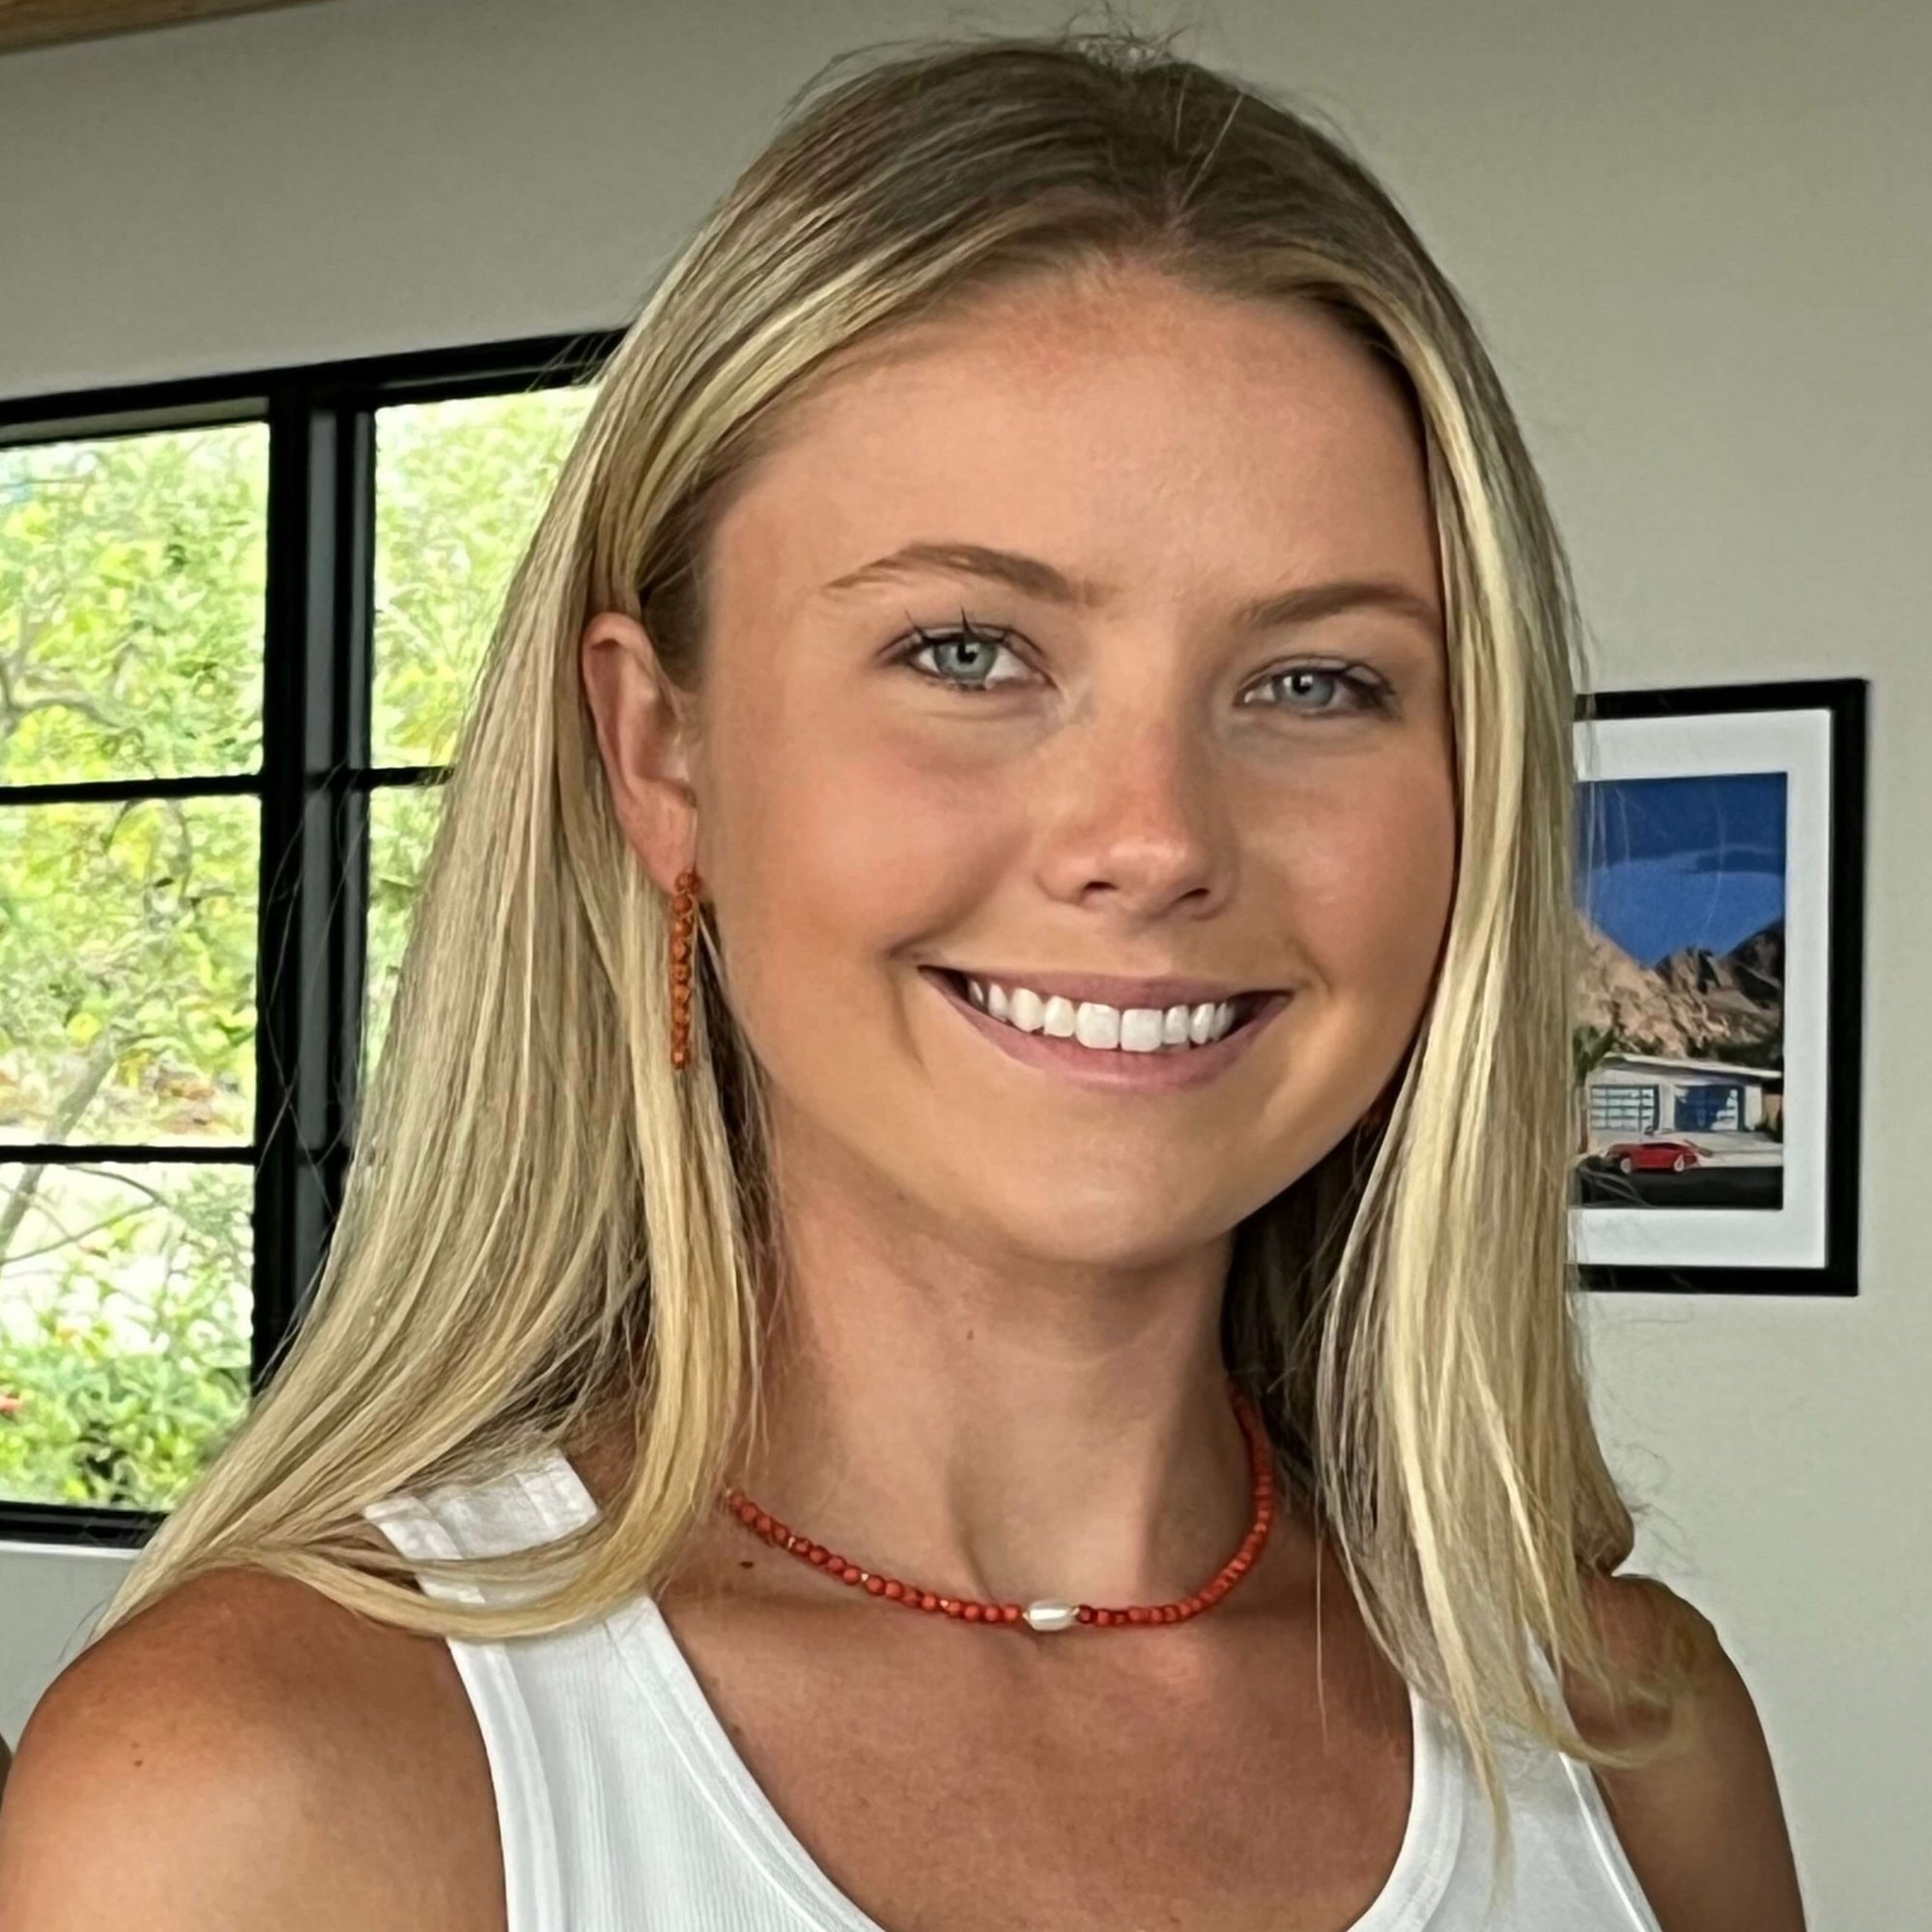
x=1129, y=426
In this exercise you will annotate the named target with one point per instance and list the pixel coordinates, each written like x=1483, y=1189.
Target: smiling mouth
x=1170, y=1030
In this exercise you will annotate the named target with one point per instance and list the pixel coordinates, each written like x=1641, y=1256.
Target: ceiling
x=41, y=24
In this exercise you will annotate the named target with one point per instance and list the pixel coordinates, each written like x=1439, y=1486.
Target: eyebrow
x=1303, y=605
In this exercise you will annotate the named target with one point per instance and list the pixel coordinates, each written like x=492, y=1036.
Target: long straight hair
x=546, y=1232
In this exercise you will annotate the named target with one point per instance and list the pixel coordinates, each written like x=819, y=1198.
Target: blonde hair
x=545, y=1231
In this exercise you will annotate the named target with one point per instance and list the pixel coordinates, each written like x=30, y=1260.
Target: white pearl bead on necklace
x=1049, y=1614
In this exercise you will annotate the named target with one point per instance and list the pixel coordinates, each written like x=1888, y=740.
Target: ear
x=642, y=738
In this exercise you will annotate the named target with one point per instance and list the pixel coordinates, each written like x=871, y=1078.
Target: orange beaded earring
x=684, y=916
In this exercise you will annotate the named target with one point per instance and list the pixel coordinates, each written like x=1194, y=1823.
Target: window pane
x=131, y=582
x=401, y=824
x=127, y=958
x=459, y=485
x=123, y=1328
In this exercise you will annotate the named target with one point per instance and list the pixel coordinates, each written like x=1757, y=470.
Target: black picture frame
x=1827, y=1191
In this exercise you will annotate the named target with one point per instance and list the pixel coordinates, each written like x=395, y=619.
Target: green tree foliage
x=132, y=574
x=458, y=487
x=129, y=1362
x=1589, y=1047
x=131, y=580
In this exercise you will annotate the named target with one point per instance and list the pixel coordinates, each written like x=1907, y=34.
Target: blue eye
x=1367, y=693
x=973, y=650
x=963, y=659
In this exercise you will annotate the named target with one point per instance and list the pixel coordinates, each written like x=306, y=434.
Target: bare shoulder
x=245, y=1753
x=1702, y=1823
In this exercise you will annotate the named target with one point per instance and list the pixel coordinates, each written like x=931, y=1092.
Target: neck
x=992, y=1427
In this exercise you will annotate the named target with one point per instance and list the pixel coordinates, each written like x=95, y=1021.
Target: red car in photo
x=1650, y=1156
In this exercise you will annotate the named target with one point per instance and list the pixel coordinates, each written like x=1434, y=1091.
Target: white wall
x=1697, y=236
x=49, y=1600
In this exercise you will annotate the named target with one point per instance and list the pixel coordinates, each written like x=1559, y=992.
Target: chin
x=1109, y=1226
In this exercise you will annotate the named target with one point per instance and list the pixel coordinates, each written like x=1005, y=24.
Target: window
x=458, y=486
x=239, y=623
x=1622, y=1108
x=1710, y=1107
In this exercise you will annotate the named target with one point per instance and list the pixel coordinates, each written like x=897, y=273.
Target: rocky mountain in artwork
x=1694, y=1004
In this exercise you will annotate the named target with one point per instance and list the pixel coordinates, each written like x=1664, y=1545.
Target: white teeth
x=1100, y=1026
x=1096, y=1024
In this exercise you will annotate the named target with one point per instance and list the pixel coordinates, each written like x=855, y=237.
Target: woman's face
x=1107, y=764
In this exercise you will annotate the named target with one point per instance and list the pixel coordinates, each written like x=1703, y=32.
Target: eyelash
x=1372, y=695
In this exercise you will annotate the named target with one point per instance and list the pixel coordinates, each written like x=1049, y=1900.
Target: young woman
x=953, y=1310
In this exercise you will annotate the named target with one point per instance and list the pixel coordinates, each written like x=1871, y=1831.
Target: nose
x=1132, y=818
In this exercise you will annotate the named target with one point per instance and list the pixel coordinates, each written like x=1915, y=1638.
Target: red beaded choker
x=1049, y=1614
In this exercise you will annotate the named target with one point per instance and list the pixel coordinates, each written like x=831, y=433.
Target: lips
x=1242, y=1006
x=1116, y=1070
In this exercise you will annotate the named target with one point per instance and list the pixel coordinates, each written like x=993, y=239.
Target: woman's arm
x=1703, y=1826
x=246, y=1753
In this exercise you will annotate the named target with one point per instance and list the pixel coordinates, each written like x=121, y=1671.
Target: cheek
x=839, y=847
x=1368, y=874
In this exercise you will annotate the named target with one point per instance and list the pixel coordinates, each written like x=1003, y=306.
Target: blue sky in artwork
x=1662, y=864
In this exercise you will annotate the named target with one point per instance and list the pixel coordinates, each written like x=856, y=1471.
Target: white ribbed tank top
x=623, y=1806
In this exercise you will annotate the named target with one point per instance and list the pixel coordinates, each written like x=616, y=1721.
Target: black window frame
x=314, y=782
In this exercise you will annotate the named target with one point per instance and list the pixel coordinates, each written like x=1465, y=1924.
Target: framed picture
x=1720, y=931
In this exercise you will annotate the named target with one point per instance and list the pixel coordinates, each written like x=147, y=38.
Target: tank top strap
x=536, y=1502
x=514, y=1511
x=1618, y=1873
